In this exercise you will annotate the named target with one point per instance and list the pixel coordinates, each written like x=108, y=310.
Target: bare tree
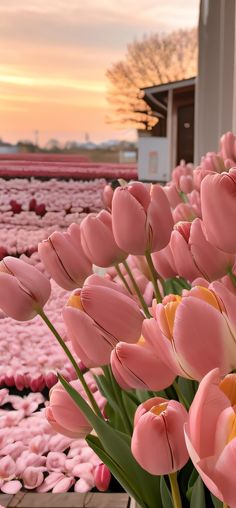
x=153, y=60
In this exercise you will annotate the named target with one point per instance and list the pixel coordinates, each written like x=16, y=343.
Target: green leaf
x=118, y=446
x=216, y=502
x=198, y=495
x=107, y=391
x=187, y=389
x=96, y=445
x=129, y=405
x=192, y=479
x=165, y=494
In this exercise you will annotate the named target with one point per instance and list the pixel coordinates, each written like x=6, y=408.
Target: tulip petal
x=220, y=227
x=90, y=345
x=200, y=336
x=32, y=279
x=129, y=222
x=205, y=410
x=114, y=312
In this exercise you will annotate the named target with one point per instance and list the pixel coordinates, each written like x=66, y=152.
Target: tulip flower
x=195, y=333
x=65, y=416
x=211, y=434
x=98, y=240
x=102, y=477
x=194, y=256
x=24, y=290
x=107, y=195
x=217, y=194
x=65, y=259
x=137, y=366
x=141, y=220
x=158, y=442
x=173, y=195
x=97, y=317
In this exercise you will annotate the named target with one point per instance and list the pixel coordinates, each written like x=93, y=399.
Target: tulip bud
x=23, y=289
x=220, y=227
x=64, y=258
x=141, y=220
x=158, y=442
x=137, y=366
x=102, y=477
x=63, y=413
x=98, y=240
x=97, y=317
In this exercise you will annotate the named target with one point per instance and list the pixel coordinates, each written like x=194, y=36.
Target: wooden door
x=185, y=133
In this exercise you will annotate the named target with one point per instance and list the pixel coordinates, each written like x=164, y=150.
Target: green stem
x=180, y=395
x=225, y=505
x=137, y=290
x=123, y=278
x=118, y=397
x=72, y=360
x=154, y=276
x=177, y=503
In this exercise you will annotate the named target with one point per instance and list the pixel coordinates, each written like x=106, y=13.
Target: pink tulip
x=141, y=220
x=194, y=256
x=195, y=333
x=217, y=194
x=137, y=366
x=65, y=259
x=23, y=289
x=11, y=487
x=211, y=436
x=102, y=477
x=97, y=317
x=184, y=212
x=186, y=183
x=172, y=194
x=65, y=416
x=50, y=482
x=107, y=196
x=55, y=461
x=63, y=485
x=228, y=143
x=181, y=170
x=158, y=438
x=32, y=477
x=98, y=240
x=7, y=468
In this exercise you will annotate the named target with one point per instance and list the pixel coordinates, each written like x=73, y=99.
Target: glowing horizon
x=54, y=58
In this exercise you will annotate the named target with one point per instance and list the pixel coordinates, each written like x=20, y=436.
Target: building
x=172, y=138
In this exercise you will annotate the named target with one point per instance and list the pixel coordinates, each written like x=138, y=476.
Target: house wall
x=215, y=105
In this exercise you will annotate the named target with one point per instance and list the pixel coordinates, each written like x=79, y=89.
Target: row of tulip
x=54, y=195
x=31, y=211
x=33, y=457
x=76, y=170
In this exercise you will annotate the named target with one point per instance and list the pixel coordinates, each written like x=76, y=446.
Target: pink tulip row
x=89, y=170
x=34, y=457
x=50, y=196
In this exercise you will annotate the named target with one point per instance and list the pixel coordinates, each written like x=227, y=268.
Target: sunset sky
x=54, y=55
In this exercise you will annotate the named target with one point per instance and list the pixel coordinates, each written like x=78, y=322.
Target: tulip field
x=117, y=332
x=32, y=455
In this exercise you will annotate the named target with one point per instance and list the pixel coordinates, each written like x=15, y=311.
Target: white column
x=215, y=93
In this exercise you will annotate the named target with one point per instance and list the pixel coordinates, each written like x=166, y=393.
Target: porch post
x=215, y=104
